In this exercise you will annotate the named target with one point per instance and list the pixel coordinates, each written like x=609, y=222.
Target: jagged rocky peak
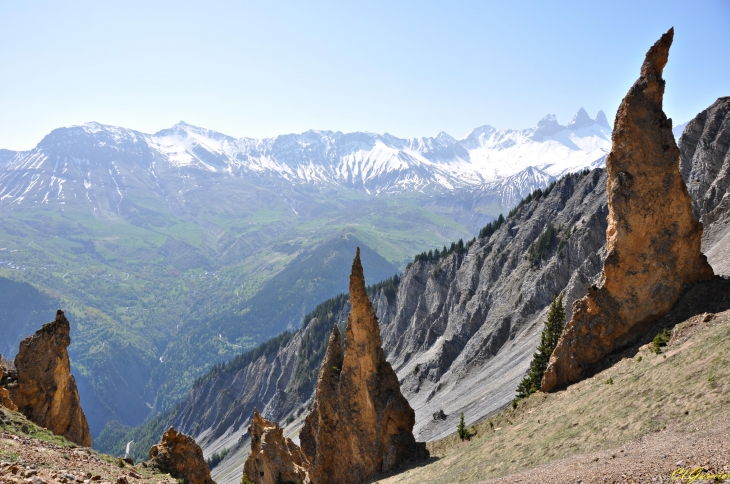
x=601, y=120
x=548, y=126
x=179, y=455
x=360, y=423
x=580, y=120
x=46, y=391
x=273, y=458
x=652, y=239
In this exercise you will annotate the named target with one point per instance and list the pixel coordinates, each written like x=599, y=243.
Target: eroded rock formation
x=273, y=458
x=46, y=392
x=360, y=423
x=652, y=240
x=5, y=399
x=179, y=455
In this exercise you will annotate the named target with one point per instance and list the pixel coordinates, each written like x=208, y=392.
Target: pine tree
x=548, y=341
x=461, y=429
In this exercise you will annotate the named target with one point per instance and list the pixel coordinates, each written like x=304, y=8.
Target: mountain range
x=96, y=164
x=164, y=247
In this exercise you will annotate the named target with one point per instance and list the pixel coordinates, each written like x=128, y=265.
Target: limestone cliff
x=46, y=392
x=273, y=458
x=652, y=240
x=179, y=455
x=5, y=399
x=360, y=423
x=705, y=168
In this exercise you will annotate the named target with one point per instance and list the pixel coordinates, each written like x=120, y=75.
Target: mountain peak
x=580, y=120
x=601, y=120
x=547, y=126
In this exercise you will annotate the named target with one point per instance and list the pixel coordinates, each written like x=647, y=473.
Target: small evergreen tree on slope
x=548, y=341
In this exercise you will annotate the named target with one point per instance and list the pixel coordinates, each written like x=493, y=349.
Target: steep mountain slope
x=280, y=305
x=705, y=167
x=644, y=417
x=25, y=309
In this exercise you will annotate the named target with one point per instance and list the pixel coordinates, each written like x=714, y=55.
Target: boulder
x=652, y=240
x=273, y=458
x=179, y=455
x=46, y=392
x=360, y=423
x=5, y=399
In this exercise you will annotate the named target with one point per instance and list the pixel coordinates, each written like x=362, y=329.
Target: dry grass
x=686, y=384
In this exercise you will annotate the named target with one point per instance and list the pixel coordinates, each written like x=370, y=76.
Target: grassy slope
x=688, y=383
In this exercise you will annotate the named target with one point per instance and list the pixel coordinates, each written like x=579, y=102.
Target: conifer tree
x=548, y=341
x=461, y=429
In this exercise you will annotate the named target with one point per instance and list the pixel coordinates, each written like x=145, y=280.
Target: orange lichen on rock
x=46, y=392
x=652, y=241
x=360, y=423
x=181, y=457
x=273, y=458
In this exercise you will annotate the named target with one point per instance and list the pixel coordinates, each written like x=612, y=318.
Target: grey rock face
x=705, y=168
x=462, y=330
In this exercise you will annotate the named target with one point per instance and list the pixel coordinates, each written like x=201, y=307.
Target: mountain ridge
x=374, y=163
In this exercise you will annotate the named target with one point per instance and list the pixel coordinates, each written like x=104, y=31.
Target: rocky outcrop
x=5, y=399
x=360, y=423
x=179, y=455
x=652, y=241
x=46, y=392
x=705, y=167
x=273, y=458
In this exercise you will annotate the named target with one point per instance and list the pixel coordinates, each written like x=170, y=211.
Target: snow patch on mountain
x=98, y=156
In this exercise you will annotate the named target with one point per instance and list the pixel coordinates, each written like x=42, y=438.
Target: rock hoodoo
x=46, y=392
x=5, y=400
x=273, y=457
x=360, y=423
x=179, y=455
x=652, y=240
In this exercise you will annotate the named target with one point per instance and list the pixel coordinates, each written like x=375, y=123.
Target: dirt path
x=652, y=458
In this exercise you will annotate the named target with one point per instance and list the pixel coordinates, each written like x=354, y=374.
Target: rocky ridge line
x=652, y=241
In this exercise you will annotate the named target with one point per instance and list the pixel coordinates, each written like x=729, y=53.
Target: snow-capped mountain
x=98, y=164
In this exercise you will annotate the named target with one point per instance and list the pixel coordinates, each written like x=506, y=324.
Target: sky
x=408, y=68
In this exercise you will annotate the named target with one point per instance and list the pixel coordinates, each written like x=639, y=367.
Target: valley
x=165, y=248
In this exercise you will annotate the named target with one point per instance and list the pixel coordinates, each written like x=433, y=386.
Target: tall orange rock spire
x=652, y=240
x=46, y=391
x=360, y=423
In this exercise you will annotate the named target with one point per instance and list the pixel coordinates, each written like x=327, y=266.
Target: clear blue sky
x=410, y=68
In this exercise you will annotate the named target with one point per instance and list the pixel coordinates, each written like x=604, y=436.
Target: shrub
x=217, y=457
x=660, y=341
x=462, y=430
x=245, y=479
